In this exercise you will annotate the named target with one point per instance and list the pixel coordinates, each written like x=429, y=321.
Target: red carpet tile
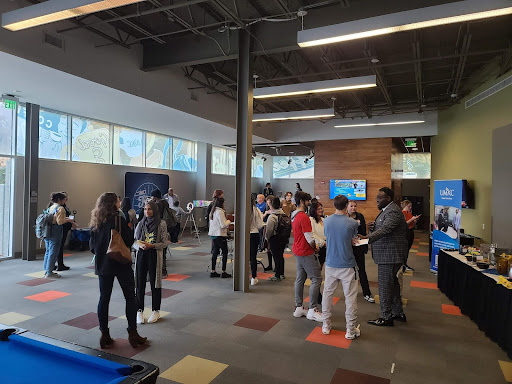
x=166, y=293
x=423, y=284
x=35, y=282
x=122, y=347
x=334, y=300
x=176, y=277
x=451, y=310
x=415, y=246
x=68, y=254
x=199, y=254
x=344, y=376
x=259, y=323
x=374, y=284
x=335, y=338
x=87, y=321
x=44, y=297
x=417, y=239
x=264, y=275
x=287, y=255
x=422, y=254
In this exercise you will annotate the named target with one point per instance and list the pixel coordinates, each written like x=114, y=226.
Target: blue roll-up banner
x=447, y=207
x=138, y=186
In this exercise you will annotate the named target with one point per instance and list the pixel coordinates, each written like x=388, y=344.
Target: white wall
x=281, y=186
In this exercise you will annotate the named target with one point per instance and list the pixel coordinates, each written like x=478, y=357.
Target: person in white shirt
x=316, y=215
x=171, y=197
x=219, y=232
x=256, y=225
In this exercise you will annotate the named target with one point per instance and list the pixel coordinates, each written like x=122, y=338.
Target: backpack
x=167, y=214
x=284, y=228
x=44, y=223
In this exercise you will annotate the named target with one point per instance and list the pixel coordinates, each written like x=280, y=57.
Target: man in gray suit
x=388, y=237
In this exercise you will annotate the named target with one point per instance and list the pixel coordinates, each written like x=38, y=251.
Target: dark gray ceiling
x=417, y=70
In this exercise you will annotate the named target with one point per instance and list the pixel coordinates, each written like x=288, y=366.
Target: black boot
x=105, y=339
x=134, y=338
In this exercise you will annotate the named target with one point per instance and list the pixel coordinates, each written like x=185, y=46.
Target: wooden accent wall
x=365, y=159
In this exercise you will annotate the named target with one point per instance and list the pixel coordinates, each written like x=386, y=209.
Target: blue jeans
x=52, y=244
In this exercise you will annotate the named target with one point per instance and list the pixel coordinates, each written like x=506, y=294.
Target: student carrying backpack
x=279, y=228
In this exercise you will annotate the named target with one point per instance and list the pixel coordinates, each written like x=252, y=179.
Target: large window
x=184, y=156
x=294, y=167
x=223, y=161
x=257, y=167
x=158, y=151
x=416, y=165
x=7, y=135
x=128, y=147
x=53, y=135
x=91, y=141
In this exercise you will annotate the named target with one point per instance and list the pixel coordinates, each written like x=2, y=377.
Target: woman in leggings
x=219, y=232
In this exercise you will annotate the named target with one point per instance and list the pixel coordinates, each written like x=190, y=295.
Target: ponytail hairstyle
x=55, y=197
x=217, y=203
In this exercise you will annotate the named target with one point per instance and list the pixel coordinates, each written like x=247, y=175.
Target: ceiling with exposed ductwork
x=422, y=70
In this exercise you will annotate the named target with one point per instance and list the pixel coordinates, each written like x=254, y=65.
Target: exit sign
x=10, y=104
x=410, y=143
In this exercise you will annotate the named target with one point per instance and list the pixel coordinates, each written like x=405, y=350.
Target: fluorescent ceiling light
x=456, y=12
x=55, y=10
x=316, y=87
x=376, y=124
x=295, y=115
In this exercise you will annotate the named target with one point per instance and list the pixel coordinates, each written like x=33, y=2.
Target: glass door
x=7, y=145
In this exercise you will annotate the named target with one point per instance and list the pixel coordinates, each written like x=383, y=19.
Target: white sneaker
x=326, y=327
x=155, y=315
x=351, y=334
x=254, y=281
x=287, y=249
x=369, y=298
x=140, y=317
x=314, y=314
x=300, y=311
x=51, y=275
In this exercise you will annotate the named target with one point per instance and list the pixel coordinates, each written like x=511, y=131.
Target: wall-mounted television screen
x=468, y=196
x=353, y=189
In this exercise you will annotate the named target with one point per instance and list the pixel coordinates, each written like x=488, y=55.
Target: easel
x=193, y=226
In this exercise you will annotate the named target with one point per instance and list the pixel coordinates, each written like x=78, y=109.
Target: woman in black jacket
x=103, y=220
x=360, y=251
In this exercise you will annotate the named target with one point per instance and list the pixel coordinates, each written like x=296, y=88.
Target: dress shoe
x=380, y=322
x=401, y=318
x=63, y=268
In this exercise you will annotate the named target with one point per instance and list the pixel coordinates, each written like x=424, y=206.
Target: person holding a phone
x=411, y=222
x=151, y=239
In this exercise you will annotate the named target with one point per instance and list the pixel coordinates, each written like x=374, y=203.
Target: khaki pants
x=347, y=277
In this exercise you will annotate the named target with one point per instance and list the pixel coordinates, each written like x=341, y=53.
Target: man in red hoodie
x=307, y=262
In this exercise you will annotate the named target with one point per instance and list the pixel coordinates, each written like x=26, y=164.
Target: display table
x=27, y=357
x=478, y=296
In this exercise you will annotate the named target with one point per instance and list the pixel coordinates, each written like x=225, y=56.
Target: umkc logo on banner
x=447, y=192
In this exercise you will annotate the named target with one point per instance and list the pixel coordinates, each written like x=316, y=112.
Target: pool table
x=27, y=357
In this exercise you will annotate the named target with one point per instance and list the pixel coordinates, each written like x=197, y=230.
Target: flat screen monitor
x=201, y=203
x=468, y=196
x=353, y=189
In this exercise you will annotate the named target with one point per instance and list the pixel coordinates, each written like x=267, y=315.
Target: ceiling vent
x=53, y=41
x=489, y=92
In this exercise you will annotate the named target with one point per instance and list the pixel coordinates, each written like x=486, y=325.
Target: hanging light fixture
x=316, y=87
x=56, y=10
x=455, y=12
x=294, y=115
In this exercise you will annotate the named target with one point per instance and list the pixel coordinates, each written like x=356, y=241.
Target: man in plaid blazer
x=388, y=237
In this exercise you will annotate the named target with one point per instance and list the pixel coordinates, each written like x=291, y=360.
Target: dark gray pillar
x=31, y=182
x=243, y=166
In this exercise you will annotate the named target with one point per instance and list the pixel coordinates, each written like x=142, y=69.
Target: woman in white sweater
x=219, y=232
x=256, y=225
x=316, y=213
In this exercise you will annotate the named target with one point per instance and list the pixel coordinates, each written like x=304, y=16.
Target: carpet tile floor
x=209, y=334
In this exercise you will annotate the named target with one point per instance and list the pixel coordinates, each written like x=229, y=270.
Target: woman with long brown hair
x=103, y=220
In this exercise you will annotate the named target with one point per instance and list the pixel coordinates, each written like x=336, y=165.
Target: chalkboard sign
x=138, y=186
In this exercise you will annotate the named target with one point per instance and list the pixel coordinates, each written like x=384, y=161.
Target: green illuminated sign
x=410, y=143
x=10, y=104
